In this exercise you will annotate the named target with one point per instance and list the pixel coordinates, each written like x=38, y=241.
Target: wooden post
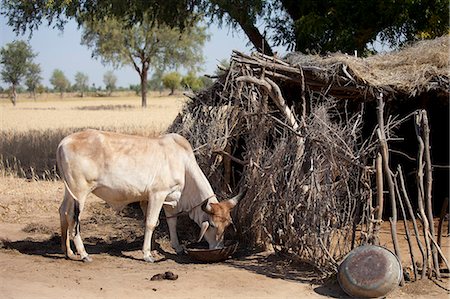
x=379, y=213
x=428, y=189
x=420, y=197
x=405, y=223
x=411, y=214
x=388, y=176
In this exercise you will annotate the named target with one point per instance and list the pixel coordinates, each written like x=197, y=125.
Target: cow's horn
x=206, y=207
x=233, y=201
x=203, y=229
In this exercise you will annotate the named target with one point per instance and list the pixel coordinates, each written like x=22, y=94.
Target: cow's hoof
x=149, y=259
x=87, y=259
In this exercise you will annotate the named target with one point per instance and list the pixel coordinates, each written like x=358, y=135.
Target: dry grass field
x=31, y=131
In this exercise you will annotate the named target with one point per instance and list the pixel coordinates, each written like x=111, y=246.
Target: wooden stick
x=428, y=188
x=411, y=213
x=439, y=250
x=405, y=224
x=388, y=176
x=379, y=182
x=420, y=197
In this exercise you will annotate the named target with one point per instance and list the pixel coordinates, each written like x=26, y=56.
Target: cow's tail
x=76, y=208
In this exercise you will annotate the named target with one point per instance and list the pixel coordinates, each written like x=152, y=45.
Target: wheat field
x=31, y=131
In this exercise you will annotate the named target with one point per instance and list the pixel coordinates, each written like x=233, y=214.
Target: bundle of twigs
x=314, y=183
x=303, y=164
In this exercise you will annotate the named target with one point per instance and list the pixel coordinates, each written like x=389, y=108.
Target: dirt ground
x=33, y=266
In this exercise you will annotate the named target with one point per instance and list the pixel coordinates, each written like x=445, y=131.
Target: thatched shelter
x=301, y=135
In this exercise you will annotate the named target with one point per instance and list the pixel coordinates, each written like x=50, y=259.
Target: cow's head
x=219, y=218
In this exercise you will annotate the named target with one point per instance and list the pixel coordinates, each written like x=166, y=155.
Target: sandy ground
x=32, y=264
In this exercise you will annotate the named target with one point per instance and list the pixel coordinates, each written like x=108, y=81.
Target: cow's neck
x=197, y=190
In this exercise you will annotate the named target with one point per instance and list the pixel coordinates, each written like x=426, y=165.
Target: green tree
x=172, y=81
x=15, y=58
x=306, y=25
x=81, y=83
x=59, y=81
x=144, y=45
x=110, y=81
x=33, y=78
x=192, y=82
x=346, y=25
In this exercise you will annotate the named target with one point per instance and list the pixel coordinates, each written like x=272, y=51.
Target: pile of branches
x=302, y=160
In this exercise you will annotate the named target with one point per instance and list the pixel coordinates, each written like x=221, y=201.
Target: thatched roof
x=407, y=73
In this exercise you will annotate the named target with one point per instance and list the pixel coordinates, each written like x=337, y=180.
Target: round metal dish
x=369, y=271
x=201, y=252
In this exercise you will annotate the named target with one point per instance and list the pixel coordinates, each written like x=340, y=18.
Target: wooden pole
x=411, y=214
x=405, y=223
x=379, y=213
x=420, y=196
x=428, y=189
x=388, y=176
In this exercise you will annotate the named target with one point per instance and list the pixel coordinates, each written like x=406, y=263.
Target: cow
x=160, y=173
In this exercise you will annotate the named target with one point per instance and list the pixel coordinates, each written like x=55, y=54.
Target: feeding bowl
x=369, y=271
x=201, y=251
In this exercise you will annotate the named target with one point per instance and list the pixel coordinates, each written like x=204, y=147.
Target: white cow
x=121, y=169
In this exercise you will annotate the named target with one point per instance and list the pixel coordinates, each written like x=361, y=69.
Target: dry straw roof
x=419, y=68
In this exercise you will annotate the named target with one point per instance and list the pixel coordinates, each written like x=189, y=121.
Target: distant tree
x=110, y=81
x=15, y=58
x=192, y=82
x=59, y=81
x=81, y=83
x=144, y=45
x=172, y=81
x=33, y=78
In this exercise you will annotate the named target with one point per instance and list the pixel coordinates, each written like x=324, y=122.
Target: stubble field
x=32, y=264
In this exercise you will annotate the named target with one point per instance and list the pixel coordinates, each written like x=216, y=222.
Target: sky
x=62, y=50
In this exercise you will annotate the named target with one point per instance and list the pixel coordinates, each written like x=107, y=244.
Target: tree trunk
x=14, y=95
x=256, y=38
x=143, y=75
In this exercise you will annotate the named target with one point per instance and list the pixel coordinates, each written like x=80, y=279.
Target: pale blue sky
x=62, y=50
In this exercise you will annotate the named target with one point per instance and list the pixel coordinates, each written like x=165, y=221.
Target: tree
x=308, y=25
x=192, y=82
x=172, y=81
x=110, y=81
x=346, y=25
x=33, y=78
x=15, y=58
x=81, y=83
x=59, y=81
x=144, y=45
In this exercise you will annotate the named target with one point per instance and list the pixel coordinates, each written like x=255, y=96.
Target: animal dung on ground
x=165, y=276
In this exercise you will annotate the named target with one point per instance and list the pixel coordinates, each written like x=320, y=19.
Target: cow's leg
x=66, y=213
x=78, y=209
x=144, y=204
x=171, y=217
x=155, y=203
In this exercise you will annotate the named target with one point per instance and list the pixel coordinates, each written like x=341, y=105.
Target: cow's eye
x=212, y=224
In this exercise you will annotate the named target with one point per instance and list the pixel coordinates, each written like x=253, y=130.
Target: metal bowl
x=201, y=251
x=369, y=271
